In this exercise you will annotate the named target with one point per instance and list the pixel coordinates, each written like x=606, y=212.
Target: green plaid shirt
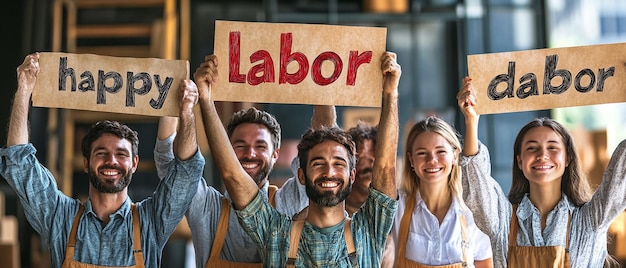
x=321, y=247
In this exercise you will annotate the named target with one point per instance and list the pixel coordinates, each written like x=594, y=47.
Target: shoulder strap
x=347, y=234
x=513, y=228
x=271, y=194
x=296, y=231
x=464, y=239
x=222, y=229
x=136, y=236
x=405, y=224
x=71, y=242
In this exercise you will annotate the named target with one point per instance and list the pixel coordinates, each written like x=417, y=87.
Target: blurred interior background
x=432, y=39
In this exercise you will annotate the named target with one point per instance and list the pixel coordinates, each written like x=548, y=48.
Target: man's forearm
x=384, y=169
x=238, y=183
x=185, y=143
x=18, y=123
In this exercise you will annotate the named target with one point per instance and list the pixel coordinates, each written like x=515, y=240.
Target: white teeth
x=110, y=173
x=542, y=167
x=432, y=169
x=329, y=184
x=249, y=166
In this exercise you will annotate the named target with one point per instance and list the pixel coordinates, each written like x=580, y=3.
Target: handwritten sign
x=549, y=78
x=143, y=86
x=299, y=63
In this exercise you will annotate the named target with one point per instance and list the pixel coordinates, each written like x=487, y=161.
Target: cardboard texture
x=255, y=76
x=150, y=94
x=595, y=75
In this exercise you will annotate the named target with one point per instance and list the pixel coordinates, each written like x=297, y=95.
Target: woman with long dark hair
x=550, y=218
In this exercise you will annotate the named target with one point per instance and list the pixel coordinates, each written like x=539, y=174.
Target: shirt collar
x=123, y=211
x=454, y=206
x=526, y=208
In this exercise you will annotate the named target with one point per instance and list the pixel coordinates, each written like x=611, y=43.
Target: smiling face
x=328, y=177
x=255, y=150
x=111, y=164
x=432, y=158
x=542, y=157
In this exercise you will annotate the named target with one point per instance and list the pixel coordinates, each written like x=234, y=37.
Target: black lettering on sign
x=112, y=82
x=163, y=91
x=87, y=84
x=64, y=72
x=102, y=87
x=531, y=85
x=131, y=90
x=492, y=92
x=551, y=72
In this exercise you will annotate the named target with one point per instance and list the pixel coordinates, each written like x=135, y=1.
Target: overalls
x=296, y=231
x=69, y=261
x=536, y=257
x=222, y=228
x=402, y=261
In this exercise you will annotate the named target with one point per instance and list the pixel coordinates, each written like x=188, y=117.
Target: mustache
x=247, y=159
x=121, y=170
x=325, y=179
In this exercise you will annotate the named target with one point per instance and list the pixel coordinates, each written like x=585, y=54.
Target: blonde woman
x=433, y=227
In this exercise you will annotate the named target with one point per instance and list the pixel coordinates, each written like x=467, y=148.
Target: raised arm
x=240, y=186
x=384, y=169
x=163, y=154
x=185, y=143
x=167, y=127
x=323, y=116
x=466, y=100
x=26, y=79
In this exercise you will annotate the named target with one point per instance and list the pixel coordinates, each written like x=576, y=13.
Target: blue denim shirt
x=205, y=211
x=51, y=213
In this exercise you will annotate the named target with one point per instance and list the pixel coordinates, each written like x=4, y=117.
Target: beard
x=104, y=186
x=326, y=198
x=263, y=172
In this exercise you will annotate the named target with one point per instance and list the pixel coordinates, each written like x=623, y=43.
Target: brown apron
x=69, y=261
x=536, y=257
x=220, y=236
x=296, y=231
x=402, y=261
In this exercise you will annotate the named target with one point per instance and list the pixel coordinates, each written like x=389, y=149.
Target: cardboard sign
x=299, y=63
x=549, y=78
x=143, y=86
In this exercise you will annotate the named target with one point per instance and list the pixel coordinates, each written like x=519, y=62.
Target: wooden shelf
x=113, y=30
x=118, y=3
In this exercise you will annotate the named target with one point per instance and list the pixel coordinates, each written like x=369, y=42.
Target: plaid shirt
x=321, y=247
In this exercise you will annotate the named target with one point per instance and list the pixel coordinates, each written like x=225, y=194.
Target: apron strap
x=71, y=242
x=464, y=239
x=347, y=234
x=296, y=231
x=136, y=236
x=222, y=229
x=271, y=194
x=405, y=223
x=513, y=227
